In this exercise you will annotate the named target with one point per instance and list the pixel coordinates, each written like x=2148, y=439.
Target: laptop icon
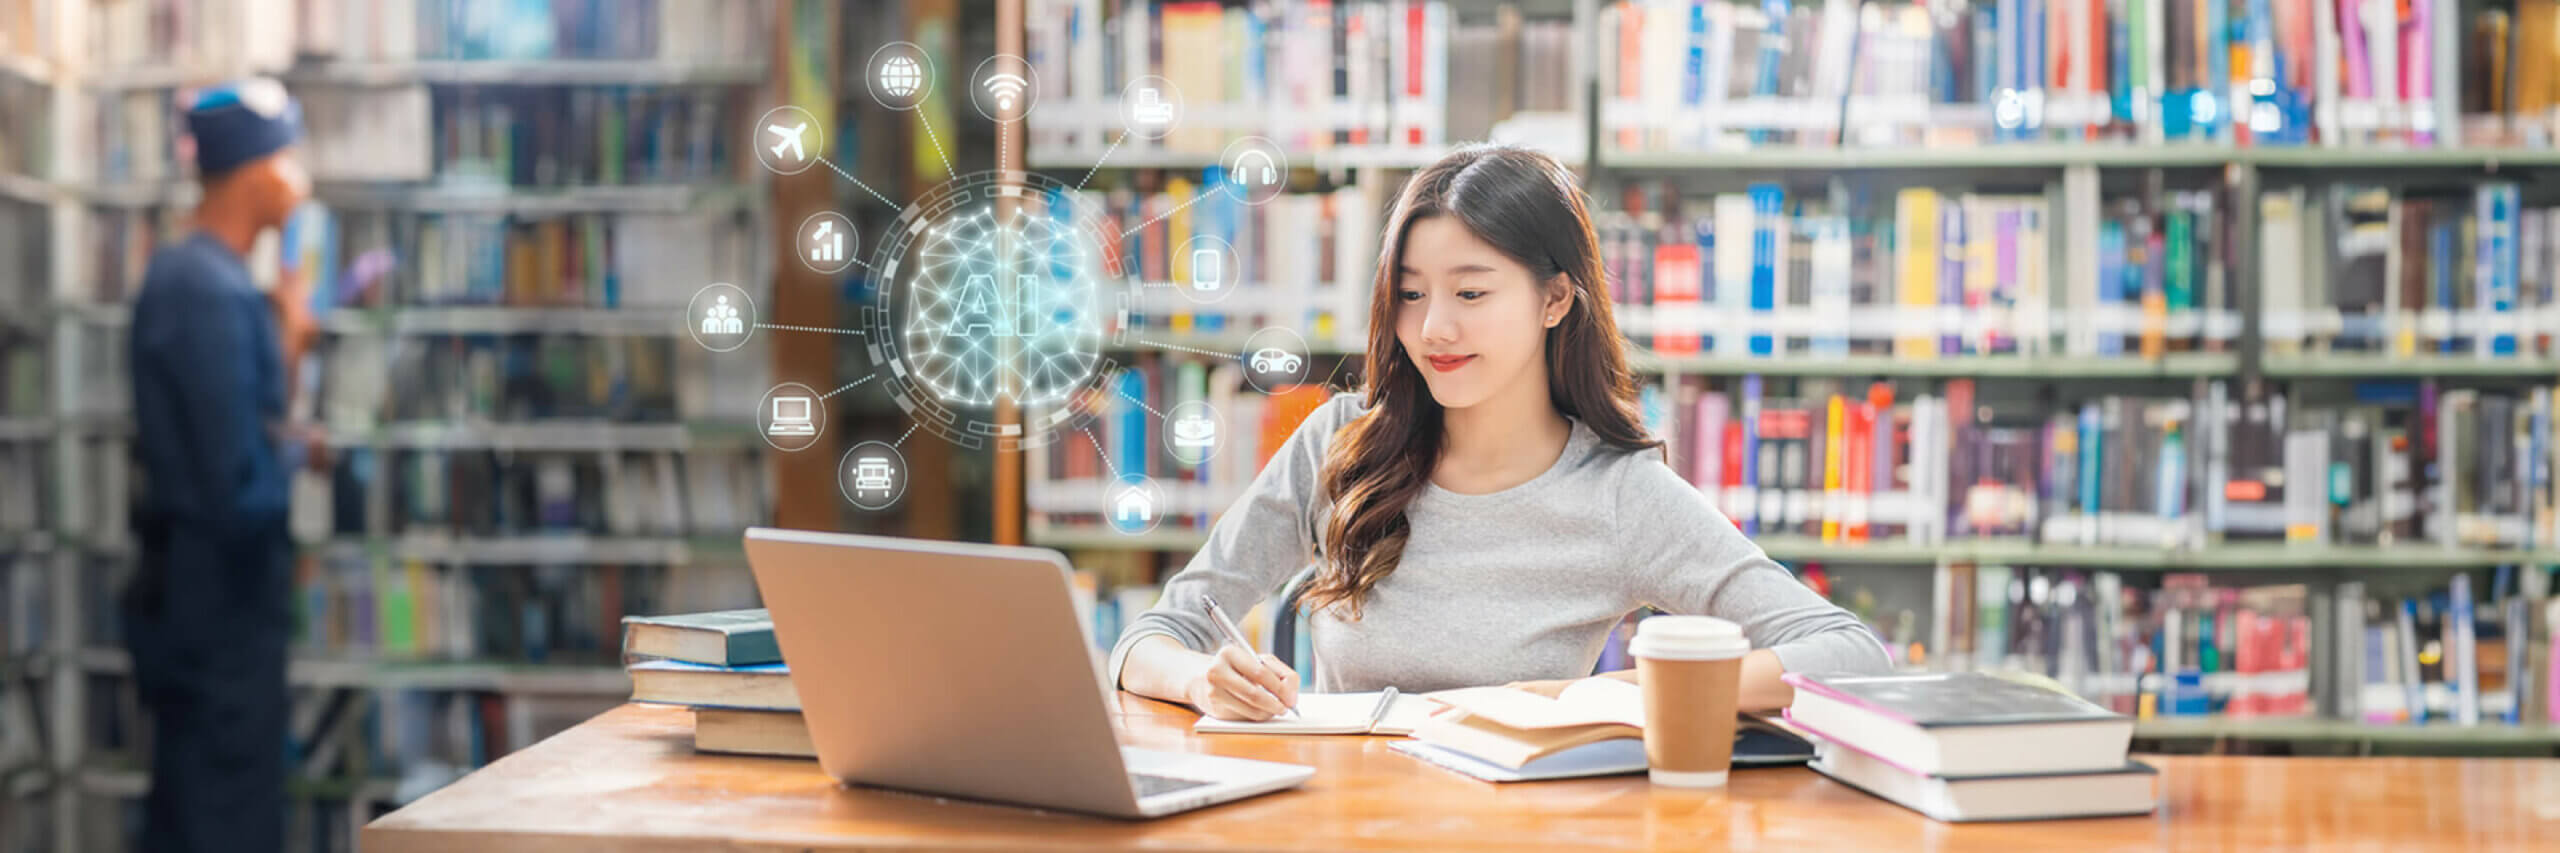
x=961, y=670
x=791, y=416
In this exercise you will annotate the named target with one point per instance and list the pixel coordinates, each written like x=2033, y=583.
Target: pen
x=1226, y=626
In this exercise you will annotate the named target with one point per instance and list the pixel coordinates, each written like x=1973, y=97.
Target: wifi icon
x=1007, y=89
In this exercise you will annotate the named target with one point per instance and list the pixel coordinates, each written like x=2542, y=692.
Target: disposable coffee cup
x=1691, y=669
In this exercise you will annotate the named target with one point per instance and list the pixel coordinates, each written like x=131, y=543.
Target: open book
x=1385, y=712
x=1594, y=727
x=1510, y=728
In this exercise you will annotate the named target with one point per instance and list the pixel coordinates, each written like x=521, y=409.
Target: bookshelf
x=1649, y=150
x=400, y=684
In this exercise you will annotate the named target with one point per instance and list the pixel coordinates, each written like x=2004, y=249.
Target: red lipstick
x=1446, y=363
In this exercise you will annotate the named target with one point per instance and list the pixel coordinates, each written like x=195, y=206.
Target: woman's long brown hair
x=1526, y=205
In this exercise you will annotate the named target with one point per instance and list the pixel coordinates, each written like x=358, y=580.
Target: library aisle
x=2200, y=360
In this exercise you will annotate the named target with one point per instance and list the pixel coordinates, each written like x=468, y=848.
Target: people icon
x=722, y=318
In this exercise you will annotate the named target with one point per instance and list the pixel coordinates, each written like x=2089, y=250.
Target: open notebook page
x=1332, y=714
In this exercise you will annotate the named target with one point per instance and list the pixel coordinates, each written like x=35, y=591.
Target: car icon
x=1275, y=360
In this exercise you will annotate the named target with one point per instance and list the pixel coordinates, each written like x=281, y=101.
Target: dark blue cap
x=237, y=123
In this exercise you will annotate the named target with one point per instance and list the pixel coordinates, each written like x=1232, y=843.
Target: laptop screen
x=790, y=409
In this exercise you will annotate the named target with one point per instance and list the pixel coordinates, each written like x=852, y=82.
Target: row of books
x=1704, y=74
x=362, y=608
x=501, y=378
x=2195, y=647
x=569, y=137
x=1308, y=77
x=1929, y=273
x=1756, y=274
x=135, y=135
x=442, y=494
x=1301, y=261
x=214, y=36
x=2374, y=269
x=1072, y=476
x=120, y=243
x=427, y=738
x=588, y=260
x=404, y=30
x=2403, y=464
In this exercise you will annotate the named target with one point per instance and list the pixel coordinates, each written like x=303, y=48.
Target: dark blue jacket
x=208, y=393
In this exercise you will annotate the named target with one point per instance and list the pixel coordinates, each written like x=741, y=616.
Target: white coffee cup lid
x=1688, y=638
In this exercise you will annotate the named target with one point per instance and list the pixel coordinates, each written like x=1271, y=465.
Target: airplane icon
x=789, y=138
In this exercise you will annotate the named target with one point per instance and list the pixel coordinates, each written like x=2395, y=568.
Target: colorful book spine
x=1750, y=452
x=1916, y=222
x=1768, y=258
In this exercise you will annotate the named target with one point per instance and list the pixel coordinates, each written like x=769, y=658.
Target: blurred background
x=2196, y=355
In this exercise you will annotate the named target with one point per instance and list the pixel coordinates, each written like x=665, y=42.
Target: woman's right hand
x=1239, y=686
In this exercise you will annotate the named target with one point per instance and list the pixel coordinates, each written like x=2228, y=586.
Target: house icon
x=1133, y=507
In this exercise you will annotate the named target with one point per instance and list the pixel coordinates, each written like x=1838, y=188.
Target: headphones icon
x=1243, y=167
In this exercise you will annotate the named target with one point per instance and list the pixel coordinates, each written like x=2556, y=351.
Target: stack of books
x=725, y=666
x=1970, y=746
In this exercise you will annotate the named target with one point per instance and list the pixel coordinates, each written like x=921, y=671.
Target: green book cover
x=2180, y=246
x=718, y=638
x=609, y=141
x=397, y=610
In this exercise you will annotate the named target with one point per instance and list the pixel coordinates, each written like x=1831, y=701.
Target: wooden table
x=629, y=780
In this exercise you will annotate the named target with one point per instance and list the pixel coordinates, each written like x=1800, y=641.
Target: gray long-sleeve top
x=1521, y=584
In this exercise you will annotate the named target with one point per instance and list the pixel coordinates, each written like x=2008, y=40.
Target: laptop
x=791, y=416
x=962, y=670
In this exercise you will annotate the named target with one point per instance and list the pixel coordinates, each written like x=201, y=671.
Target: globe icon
x=900, y=77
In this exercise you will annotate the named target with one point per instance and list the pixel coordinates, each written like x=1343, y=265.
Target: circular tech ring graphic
x=983, y=308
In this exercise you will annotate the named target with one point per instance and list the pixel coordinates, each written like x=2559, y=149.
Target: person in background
x=207, y=613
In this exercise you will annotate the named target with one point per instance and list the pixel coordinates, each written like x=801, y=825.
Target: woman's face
x=1472, y=319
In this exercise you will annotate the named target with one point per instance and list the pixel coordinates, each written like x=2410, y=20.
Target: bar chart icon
x=826, y=244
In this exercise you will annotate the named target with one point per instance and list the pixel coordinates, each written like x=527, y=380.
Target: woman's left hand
x=1547, y=689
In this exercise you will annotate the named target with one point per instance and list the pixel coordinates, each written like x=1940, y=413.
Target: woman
x=1491, y=504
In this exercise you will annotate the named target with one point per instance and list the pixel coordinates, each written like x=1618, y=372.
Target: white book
x=2147, y=107
x=2382, y=55
x=2081, y=210
x=1957, y=799
x=2448, y=21
x=1734, y=221
x=2325, y=69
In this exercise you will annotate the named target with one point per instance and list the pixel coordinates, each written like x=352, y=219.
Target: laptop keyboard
x=1150, y=785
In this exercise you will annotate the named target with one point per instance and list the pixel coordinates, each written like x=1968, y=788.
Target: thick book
x=673, y=682
x=1384, y=712
x=1964, y=723
x=2127, y=789
x=746, y=731
x=719, y=638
